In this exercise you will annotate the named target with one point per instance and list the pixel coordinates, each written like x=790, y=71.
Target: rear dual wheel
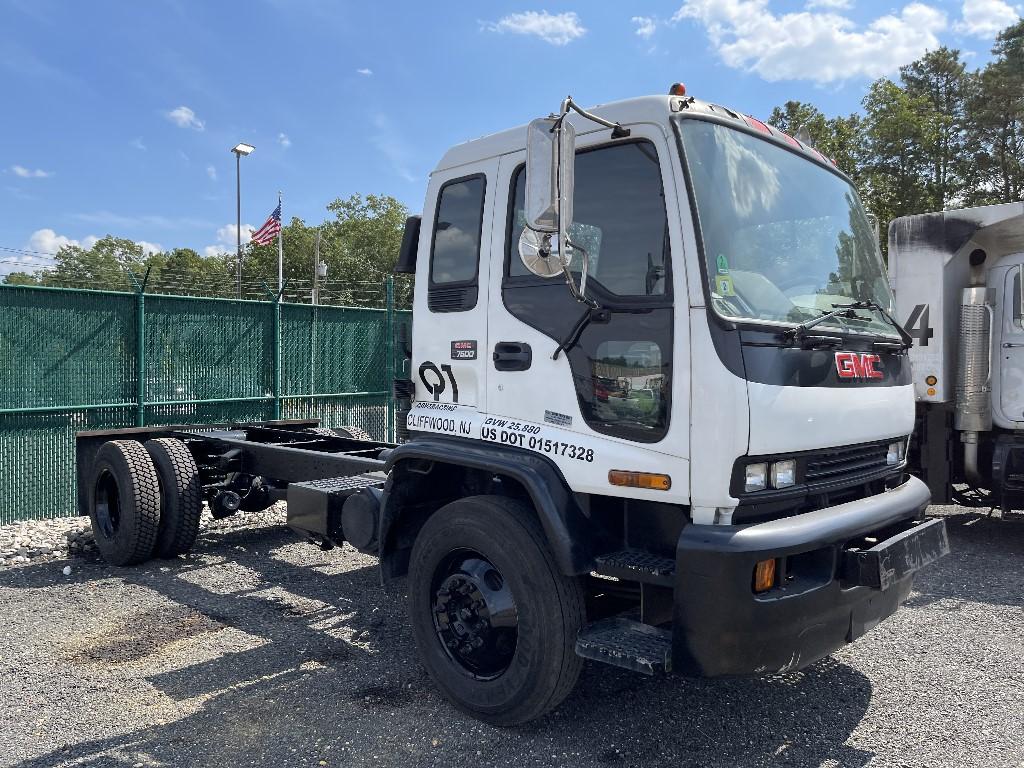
x=145, y=500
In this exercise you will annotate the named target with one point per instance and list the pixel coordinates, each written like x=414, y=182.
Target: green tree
x=897, y=167
x=839, y=138
x=359, y=246
x=996, y=124
x=937, y=86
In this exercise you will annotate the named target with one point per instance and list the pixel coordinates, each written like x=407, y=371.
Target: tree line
x=939, y=136
x=358, y=245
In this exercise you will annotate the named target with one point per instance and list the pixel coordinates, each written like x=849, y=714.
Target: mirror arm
x=618, y=132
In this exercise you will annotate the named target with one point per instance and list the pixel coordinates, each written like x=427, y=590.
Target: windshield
x=784, y=239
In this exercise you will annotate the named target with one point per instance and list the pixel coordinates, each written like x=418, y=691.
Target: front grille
x=835, y=465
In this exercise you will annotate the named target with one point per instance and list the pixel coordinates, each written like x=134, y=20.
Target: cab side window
x=455, y=245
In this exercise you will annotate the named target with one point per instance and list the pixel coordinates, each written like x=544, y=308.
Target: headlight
x=756, y=478
x=783, y=473
x=894, y=455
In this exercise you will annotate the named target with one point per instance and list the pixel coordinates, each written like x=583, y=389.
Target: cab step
x=628, y=644
x=634, y=565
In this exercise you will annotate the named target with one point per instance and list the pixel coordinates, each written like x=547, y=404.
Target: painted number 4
x=917, y=325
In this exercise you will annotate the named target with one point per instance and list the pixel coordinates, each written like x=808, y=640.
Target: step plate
x=627, y=644
x=633, y=565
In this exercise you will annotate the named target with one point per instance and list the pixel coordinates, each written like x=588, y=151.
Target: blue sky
x=119, y=116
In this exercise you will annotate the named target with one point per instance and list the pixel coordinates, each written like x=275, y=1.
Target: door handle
x=512, y=356
x=1011, y=345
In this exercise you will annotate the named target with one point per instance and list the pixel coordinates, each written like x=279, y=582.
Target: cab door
x=450, y=304
x=595, y=393
x=1009, y=346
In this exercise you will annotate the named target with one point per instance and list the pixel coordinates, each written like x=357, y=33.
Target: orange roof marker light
x=677, y=89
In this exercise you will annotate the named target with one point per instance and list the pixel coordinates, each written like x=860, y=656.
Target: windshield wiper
x=907, y=341
x=798, y=333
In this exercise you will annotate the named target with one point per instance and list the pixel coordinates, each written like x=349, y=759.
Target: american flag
x=269, y=230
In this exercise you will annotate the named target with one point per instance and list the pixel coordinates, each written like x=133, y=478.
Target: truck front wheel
x=494, y=619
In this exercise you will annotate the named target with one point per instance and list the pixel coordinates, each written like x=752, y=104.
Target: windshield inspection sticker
x=723, y=264
x=723, y=285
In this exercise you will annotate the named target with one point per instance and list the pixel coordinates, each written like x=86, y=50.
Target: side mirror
x=550, y=159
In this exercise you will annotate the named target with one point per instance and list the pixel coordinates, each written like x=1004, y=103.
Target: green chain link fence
x=73, y=360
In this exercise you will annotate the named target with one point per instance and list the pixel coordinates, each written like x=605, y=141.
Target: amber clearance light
x=764, y=575
x=648, y=480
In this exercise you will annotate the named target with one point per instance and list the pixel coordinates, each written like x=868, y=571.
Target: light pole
x=239, y=150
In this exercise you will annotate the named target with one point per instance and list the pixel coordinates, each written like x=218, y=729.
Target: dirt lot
x=261, y=650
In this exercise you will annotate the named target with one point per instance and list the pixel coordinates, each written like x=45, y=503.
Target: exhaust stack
x=973, y=413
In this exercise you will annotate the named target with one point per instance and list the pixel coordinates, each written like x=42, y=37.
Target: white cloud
x=554, y=28
x=834, y=4
x=821, y=47
x=364, y=71
x=283, y=140
x=211, y=171
x=226, y=239
x=148, y=247
x=183, y=117
x=29, y=173
x=645, y=26
x=985, y=18
x=48, y=241
x=137, y=144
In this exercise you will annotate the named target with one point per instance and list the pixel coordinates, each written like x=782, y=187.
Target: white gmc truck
x=656, y=416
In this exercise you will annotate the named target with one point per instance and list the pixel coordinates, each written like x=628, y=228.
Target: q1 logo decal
x=435, y=384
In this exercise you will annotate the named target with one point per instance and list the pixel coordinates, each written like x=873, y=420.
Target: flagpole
x=280, y=250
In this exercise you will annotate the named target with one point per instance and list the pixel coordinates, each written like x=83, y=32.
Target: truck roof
x=641, y=109
x=999, y=228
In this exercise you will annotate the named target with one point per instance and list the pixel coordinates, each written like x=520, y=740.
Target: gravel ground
x=261, y=650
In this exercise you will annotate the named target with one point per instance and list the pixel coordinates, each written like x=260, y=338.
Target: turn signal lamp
x=648, y=480
x=677, y=89
x=931, y=381
x=764, y=575
x=894, y=454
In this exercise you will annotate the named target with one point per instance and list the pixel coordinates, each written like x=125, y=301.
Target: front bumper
x=842, y=570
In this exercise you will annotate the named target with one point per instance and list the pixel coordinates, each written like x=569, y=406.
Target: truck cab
x=703, y=399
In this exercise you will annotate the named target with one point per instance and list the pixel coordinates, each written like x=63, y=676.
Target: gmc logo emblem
x=857, y=365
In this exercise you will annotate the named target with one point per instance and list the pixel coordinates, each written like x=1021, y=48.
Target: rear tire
x=181, y=496
x=471, y=558
x=356, y=433
x=124, y=502
x=353, y=433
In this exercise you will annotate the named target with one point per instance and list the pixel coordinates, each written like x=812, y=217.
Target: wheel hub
x=108, y=505
x=474, y=614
